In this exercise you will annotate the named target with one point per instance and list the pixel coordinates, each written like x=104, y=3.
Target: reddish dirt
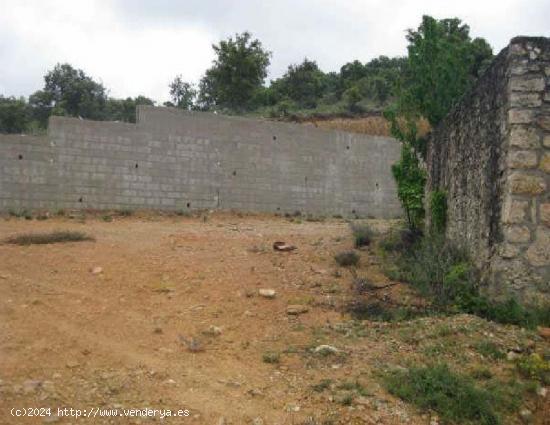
x=72, y=338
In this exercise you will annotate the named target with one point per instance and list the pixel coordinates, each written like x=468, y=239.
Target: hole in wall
x=234, y=172
x=377, y=185
x=136, y=165
x=347, y=148
x=20, y=157
x=274, y=137
x=80, y=199
x=189, y=205
x=353, y=211
x=278, y=208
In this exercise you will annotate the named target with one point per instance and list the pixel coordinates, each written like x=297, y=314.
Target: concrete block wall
x=492, y=157
x=173, y=160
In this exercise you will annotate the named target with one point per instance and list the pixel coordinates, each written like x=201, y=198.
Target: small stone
x=213, y=331
x=525, y=100
x=525, y=138
x=170, y=382
x=267, y=293
x=325, y=350
x=545, y=163
x=296, y=309
x=544, y=122
x=511, y=356
x=221, y=421
x=526, y=184
x=96, y=270
x=31, y=386
x=546, y=141
x=538, y=253
x=545, y=214
x=527, y=84
x=517, y=234
x=514, y=211
x=71, y=364
x=526, y=416
x=520, y=116
x=544, y=332
x=522, y=159
x=258, y=421
x=542, y=392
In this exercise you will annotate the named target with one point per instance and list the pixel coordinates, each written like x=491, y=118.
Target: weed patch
x=454, y=397
x=362, y=234
x=47, y=238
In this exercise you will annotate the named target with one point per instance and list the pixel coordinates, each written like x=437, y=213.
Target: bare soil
x=164, y=312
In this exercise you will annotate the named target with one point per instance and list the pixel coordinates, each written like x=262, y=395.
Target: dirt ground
x=173, y=320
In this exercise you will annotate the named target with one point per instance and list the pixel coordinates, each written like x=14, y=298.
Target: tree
x=302, y=83
x=14, y=115
x=182, y=93
x=125, y=109
x=69, y=91
x=443, y=62
x=238, y=71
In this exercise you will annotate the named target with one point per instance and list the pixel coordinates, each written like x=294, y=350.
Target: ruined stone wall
x=492, y=156
x=177, y=160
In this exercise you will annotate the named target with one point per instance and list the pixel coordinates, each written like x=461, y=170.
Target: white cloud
x=136, y=47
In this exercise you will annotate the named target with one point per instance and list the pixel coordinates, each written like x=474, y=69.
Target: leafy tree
x=238, y=71
x=125, y=109
x=443, y=62
x=13, y=115
x=352, y=96
x=303, y=84
x=69, y=91
x=182, y=93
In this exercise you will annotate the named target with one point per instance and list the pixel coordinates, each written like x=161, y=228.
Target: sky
x=136, y=47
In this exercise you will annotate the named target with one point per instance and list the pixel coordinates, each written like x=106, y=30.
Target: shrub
x=126, y=212
x=47, y=238
x=535, y=367
x=454, y=397
x=362, y=234
x=271, y=357
x=438, y=210
x=347, y=258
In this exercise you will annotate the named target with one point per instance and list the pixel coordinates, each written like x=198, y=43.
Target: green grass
x=47, y=238
x=490, y=350
x=455, y=398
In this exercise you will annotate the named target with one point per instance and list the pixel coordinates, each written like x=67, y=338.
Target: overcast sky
x=137, y=46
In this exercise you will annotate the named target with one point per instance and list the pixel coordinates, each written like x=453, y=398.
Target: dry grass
x=47, y=238
x=373, y=125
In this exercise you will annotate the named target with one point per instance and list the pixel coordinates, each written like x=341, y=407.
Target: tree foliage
x=238, y=71
x=303, y=84
x=442, y=63
x=13, y=115
x=182, y=93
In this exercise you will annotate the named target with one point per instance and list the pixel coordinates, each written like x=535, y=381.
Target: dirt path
x=114, y=339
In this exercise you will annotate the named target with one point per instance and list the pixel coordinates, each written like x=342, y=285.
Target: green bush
x=347, y=258
x=454, y=397
x=438, y=210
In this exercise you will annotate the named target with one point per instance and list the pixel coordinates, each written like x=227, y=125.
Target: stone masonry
x=177, y=160
x=492, y=157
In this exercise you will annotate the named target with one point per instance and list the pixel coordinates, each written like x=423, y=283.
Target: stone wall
x=178, y=160
x=492, y=156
